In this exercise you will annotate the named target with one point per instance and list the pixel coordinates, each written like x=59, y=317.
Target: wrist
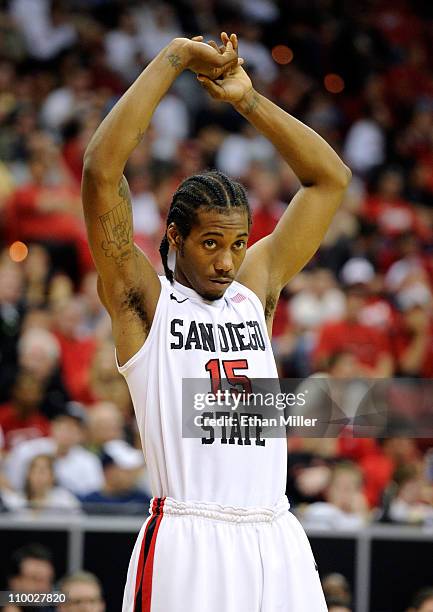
x=248, y=103
x=178, y=53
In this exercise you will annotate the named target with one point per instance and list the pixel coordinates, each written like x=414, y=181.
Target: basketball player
x=220, y=537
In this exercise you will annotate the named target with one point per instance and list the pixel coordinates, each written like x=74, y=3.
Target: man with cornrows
x=220, y=536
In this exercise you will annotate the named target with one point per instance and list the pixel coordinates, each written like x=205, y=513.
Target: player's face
x=213, y=252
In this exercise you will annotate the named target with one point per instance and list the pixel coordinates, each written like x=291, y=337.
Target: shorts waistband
x=230, y=514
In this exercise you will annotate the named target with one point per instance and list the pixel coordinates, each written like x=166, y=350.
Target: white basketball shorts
x=201, y=557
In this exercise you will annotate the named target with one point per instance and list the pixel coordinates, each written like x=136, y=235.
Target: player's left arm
x=273, y=261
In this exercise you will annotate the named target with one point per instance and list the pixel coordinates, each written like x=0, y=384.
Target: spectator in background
x=423, y=601
x=413, y=340
x=344, y=506
x=309, y=466
x=39, y=355
x=320, y=301
x=364, y=147
x=123, y=49
x=40, y=495
x=315, y=300
x=46, y=208
x=106, y=384
x=36, y=269
x=83, y=593
x=95, y=321
x=31, y=570
x=122, y=467
x=405, y=502
x=336, y=587
x=238, y=152
x=257, y=57
x=370, y=345
x=158, y=25
x=76, y=352
x=388, y=209
x=264, y=186
x=105, y=423
x=378, y=465
x=21, y=418
x=69, y=101
x=76, y=469
x=144, y=205
x=44, y=25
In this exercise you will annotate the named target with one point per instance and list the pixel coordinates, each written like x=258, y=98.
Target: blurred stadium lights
x=18, y=251
x=333, y=83
x=282, y=54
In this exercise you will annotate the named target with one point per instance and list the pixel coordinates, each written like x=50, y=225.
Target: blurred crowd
x=31, y=570
x=361, y=75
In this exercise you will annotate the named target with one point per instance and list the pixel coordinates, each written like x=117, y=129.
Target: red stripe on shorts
x=143, y=555
x=140, y=564
x=148, y=567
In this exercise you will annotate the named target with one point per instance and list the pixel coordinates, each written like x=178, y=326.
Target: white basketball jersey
x=191, y=337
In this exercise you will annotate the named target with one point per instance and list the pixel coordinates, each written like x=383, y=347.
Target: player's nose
x=224, y=262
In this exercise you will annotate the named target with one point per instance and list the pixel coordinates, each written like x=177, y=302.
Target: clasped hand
x=232, y=84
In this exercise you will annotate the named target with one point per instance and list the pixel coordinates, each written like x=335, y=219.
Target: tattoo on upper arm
x=175, y=61
x=117, y=226
x=252, y=104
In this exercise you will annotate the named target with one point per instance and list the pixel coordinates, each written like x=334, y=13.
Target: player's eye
x=209, y=244
x=239, y=244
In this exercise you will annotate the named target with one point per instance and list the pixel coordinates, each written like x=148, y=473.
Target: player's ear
x=173, y=236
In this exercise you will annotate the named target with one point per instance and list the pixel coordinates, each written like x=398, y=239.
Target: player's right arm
x=128, y=285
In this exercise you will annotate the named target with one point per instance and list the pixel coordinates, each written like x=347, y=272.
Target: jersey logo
x=238, y=298
x=173, y=297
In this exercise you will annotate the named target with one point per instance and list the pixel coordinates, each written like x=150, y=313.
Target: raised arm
x=128, y=285
x=274, y=260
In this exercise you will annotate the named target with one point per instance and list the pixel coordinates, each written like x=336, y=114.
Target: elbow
x=342, y=177
x=95, y=170
x=92, y=163
x=335, y=178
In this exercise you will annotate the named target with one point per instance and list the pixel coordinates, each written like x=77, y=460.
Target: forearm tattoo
x=139, y=136
x=252, y=104
x=117, y=226
x=175, y=61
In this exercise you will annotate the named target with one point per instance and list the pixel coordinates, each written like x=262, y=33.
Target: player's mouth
x=222, y=281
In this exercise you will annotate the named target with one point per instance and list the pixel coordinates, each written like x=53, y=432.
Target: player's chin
x=214, y=290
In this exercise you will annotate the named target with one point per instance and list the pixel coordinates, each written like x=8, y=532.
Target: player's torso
x=194, y=339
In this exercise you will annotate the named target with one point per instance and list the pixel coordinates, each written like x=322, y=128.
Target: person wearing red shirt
x=379, y=465
x=76, y=351
x=41, y=211
x=20, y=419
x=387, y=208
x=369, y=345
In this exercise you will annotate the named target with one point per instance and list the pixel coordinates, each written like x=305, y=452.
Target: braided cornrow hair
x=210, y=190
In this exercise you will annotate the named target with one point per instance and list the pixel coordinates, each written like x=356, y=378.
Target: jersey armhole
x=255, y=298
x=126, y=367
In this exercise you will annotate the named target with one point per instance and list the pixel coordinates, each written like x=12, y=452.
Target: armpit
x=134, y=302
x=271, y=302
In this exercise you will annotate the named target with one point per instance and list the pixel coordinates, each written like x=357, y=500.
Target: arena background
x=360, y=74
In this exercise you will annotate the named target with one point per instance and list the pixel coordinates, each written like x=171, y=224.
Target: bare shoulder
x=256, y=274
